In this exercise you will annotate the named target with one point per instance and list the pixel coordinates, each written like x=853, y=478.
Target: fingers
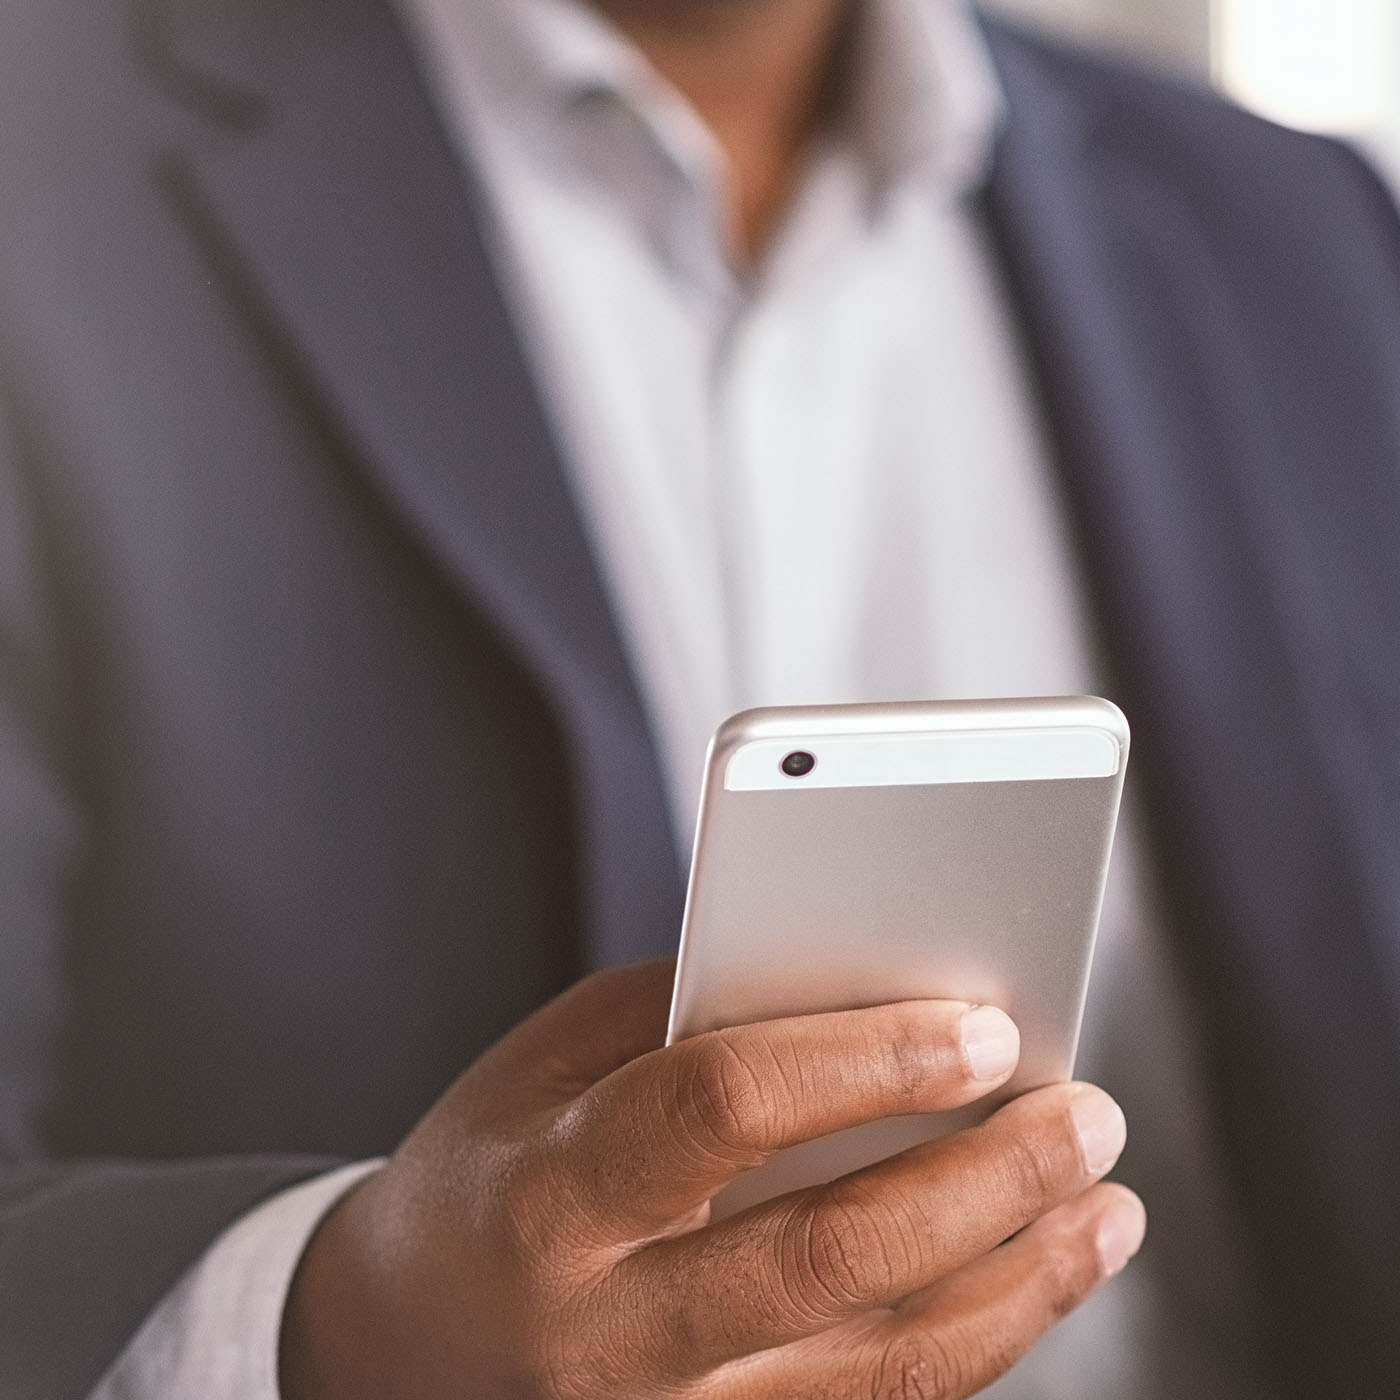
x=956, y=1338
x=794, y=1267
x=667, y=1131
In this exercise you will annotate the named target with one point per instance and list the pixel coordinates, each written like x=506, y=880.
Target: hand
x=543, y=1234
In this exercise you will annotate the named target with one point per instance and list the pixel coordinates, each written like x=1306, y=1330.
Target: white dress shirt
x=822, y=479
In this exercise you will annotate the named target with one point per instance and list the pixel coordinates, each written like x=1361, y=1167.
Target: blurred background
x=1324, y=65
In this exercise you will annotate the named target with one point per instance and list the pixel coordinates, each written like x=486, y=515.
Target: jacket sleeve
x=87, y=1249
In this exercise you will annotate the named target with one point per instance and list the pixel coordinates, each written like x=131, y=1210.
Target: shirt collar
x=925, y=99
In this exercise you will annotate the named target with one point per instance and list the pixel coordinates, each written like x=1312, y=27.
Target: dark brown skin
x=543, y=1235
x=766, y=77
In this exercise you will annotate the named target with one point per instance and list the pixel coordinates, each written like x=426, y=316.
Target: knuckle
x=914, y=1368
x=721, y=1101
x=535, y=1219
x=1069, y=1270
x=910, y=1059
x=836, y=1256
x=513, y=1192
x=946, y=1364
x=580, y=1356
x=518, y=1214
x=1033, y=1171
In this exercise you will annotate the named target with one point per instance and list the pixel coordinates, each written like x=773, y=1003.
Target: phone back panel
x=810, y=898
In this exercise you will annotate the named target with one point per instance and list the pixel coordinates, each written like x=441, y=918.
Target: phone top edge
x=797, y=722
x=1042, y=753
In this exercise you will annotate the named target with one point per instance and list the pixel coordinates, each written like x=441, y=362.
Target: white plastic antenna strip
x=968, y=756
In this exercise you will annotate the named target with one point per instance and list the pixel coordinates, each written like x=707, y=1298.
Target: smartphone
x=851, y=855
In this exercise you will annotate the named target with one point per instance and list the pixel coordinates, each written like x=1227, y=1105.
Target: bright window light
x=1327, y=65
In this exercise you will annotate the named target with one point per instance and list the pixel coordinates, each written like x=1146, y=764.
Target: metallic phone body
x=943, y=849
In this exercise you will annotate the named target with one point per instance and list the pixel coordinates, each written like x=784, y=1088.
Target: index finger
x=660, y=1136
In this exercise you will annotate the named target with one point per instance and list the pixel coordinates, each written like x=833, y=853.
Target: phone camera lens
x=799, y=764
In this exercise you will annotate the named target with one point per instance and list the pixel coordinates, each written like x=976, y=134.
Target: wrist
x=336, y=1340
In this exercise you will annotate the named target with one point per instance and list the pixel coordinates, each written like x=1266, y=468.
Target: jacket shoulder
x=1255, y=184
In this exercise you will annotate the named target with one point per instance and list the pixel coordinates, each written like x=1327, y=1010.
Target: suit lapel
x=1214, y=603
x=340, y=212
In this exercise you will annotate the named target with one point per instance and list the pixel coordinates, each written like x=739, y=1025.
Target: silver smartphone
x=851, y=855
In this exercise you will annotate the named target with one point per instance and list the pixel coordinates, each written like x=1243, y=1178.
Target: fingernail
x=991, y=1042
x=1101, y=1128
x=1121, y=1228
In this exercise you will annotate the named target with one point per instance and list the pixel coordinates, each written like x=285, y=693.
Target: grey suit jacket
x=320, y=761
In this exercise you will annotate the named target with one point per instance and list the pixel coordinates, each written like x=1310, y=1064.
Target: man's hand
x=543, y=1233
